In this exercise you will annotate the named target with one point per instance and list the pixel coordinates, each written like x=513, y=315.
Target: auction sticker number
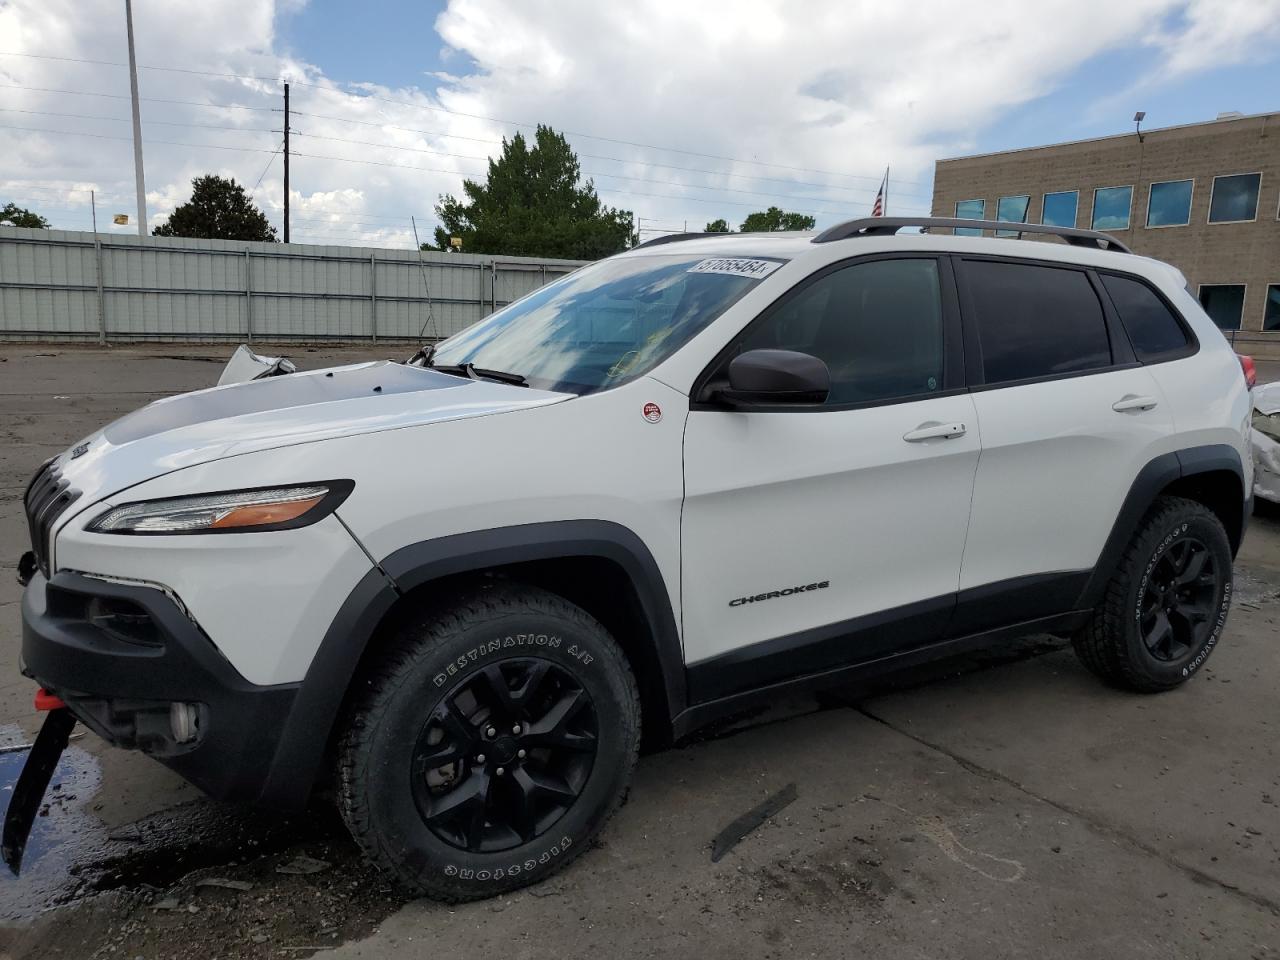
x=736, y=267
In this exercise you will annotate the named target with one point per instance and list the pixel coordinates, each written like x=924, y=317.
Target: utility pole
x=137, y=125
x=286, y=162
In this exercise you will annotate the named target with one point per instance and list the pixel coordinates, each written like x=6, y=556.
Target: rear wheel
x=1167, y=602
x=491, y=747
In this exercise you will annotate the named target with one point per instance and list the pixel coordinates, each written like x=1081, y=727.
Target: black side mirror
x=776, y=376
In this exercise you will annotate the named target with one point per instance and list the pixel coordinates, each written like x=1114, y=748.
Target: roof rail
x=676, y=238
x=882, y=226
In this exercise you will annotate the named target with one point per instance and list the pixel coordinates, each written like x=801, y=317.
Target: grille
x=48, y=496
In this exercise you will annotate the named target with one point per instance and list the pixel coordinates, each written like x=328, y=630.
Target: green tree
x=533, y=204
x=718, y=226
x=16, y=216
x=773, y=219
x=219, y=209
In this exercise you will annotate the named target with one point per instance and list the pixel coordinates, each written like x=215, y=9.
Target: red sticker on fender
x=652, y=412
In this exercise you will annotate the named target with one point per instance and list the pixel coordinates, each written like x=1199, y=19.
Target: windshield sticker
x=737, y=267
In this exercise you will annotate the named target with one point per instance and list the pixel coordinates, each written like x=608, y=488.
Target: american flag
x=877, y=208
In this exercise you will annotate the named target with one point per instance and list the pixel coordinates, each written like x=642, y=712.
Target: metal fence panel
x=62, y=285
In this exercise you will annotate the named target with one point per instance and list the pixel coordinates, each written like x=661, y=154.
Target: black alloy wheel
x=1178, y=604
x=504, y=754
x=1164, y=607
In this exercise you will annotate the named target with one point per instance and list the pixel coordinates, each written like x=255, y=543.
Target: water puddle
x=71, y=854
x=64, y=824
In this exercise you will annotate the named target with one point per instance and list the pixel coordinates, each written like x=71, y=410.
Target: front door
x=814, y=537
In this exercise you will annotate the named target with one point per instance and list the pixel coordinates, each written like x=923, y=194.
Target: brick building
x=1204, y=197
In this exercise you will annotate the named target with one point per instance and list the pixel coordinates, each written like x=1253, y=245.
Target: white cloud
x=812, y=100
x=1214, y=32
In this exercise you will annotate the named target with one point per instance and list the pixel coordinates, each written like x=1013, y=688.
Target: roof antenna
x=1137, y=124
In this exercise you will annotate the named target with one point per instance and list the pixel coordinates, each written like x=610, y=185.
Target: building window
x=1235, y=198
x=1224, y=303
x=970, y=210
x=1271, y=315
x=1111, y=208
x=1060, y=208
x=1011, y=210
x=1169, y=204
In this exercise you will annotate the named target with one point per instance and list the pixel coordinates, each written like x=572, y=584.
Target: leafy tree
x=533, y=204
x=219, y=209
x=16, y=216
x=776, y=219
x=718, y=226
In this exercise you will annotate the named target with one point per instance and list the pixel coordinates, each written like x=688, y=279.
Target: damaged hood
x=226, y=421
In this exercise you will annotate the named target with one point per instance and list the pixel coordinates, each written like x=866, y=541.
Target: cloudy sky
x=681, y=112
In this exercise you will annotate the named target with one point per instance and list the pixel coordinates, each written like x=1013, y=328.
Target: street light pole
x=137, y=125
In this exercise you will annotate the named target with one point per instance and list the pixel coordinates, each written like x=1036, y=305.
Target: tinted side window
x=1035, y=321
x=877, y=325
x=1153, y=329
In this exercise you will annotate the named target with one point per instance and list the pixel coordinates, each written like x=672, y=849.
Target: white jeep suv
x=702, y=474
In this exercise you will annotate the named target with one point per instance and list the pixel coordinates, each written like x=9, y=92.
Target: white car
x=679, y=482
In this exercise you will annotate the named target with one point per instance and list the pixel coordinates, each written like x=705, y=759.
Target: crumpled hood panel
x=206, y=425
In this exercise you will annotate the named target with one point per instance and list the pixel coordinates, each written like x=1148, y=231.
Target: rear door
x=817, y=536
x=1068, y=419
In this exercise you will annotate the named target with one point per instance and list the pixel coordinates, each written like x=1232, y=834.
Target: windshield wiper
x=481, y=373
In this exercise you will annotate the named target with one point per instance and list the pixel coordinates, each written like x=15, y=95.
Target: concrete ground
x=1002, y=805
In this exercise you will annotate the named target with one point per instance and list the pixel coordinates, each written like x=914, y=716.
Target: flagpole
x=885, y=203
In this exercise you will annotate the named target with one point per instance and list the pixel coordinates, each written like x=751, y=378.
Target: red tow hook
x=47, y=701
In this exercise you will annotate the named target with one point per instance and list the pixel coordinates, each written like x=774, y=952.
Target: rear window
x=1035, y=321
x=1153, y=329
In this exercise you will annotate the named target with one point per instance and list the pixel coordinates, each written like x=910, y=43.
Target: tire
x=461, y=791
x=1165, y=606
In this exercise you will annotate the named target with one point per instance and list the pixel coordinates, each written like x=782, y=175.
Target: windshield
x=605, y=324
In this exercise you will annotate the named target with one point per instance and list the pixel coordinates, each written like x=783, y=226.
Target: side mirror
x=776, y=376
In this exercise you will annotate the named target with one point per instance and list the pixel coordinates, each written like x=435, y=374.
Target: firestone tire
x=489, y=748
x=1166, y=604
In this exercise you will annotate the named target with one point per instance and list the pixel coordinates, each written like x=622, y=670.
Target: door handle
x=934, y=431
x=1131, y=402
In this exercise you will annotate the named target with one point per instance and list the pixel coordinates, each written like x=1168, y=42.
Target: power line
x=105, y=136
x=141, y=66
x=121, y=96
x=624, y=193
x=443, y=153
x=165, y=123
x=270, y=161
x=380, y=163
x=457, y=113
x=589, y=173
x=596, y=156
x=591, y=136
x=451, y=136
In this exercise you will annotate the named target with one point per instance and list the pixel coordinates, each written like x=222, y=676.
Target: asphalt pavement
x=1005, y=804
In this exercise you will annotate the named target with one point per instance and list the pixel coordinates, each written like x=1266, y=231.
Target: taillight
x=1250, y=371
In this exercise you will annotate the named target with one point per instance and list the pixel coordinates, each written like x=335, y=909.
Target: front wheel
x=1166, y=604
x=490, y=746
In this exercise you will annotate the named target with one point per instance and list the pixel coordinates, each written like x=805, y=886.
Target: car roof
x=801, y=246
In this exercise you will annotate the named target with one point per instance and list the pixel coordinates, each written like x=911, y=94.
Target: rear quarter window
x=1153, y=328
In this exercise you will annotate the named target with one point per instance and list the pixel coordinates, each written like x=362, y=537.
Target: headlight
x=238, y=511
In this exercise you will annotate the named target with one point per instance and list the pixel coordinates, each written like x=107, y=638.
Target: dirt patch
x=252, y=909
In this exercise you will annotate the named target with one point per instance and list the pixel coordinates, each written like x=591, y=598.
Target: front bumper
x=122, y=654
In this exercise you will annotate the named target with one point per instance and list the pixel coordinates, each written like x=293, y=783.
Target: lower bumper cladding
x=130, y=664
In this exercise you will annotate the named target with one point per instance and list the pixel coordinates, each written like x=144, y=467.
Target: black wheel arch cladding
x=306, y=733
x=1168, y=473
